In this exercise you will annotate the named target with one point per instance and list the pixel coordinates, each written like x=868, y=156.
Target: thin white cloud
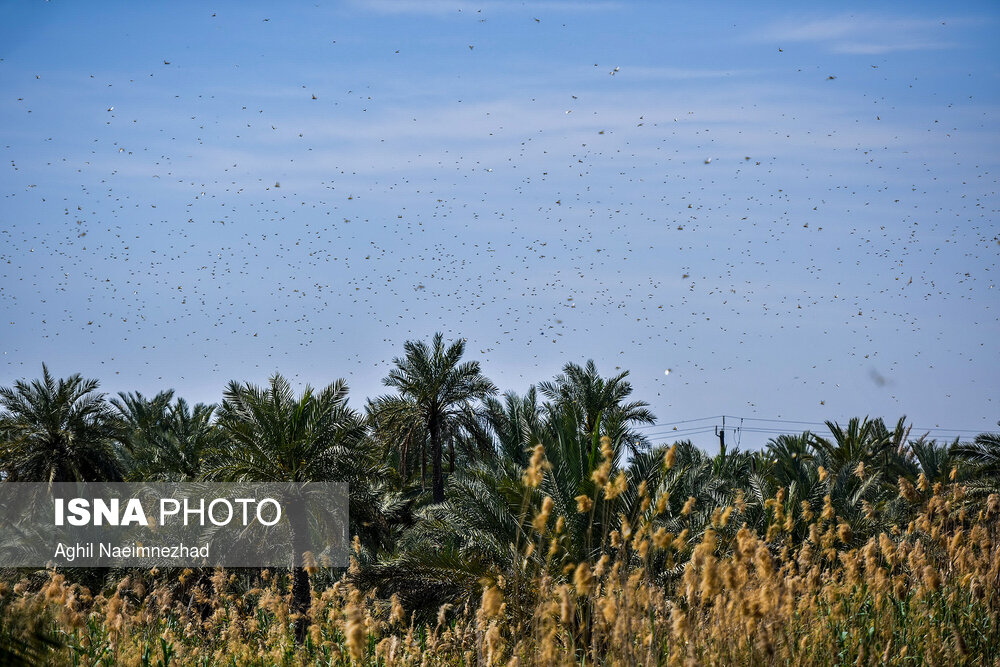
x=878, y=48
x=439, y=7
x=672, y=131
x=866, y=34
x=412, y=6
x=678, y=73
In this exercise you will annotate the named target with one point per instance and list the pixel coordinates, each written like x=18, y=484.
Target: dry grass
x=924, y=593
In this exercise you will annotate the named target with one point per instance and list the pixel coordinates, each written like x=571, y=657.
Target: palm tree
x=981, y=458
x=164, y=441
x=934, y=460
x=714, y=482
x=272, y=436
x=600, y=401
x=435, y=385
x=57, y=431
x=867, y=441
x=398, y=432
x=141, y=416
x=482, y=530
x=864, y=462
x=792, y=463
x=513, y=424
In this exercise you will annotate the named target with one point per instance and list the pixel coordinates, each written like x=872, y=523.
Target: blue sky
x=794, y=209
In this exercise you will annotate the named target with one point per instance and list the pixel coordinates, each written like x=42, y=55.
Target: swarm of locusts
x=805, y=591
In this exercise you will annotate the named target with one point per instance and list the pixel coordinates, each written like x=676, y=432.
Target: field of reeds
x=542, y=533
x=923, y=593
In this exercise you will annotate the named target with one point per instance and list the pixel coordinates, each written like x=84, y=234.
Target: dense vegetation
x=519, y=529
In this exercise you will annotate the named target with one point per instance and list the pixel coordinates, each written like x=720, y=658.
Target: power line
x=680, y=432
x=660, y=425
x=951, y=430
x=685, y=433
x=783, y=421
x=769, y=427
x=912, y=428
x=683, y=421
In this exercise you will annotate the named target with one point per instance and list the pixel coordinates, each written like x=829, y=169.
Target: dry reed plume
x=923, y=593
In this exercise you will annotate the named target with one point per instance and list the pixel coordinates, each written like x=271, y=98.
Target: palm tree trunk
x=451, y=454
x=301, y=600
x=403, y=470
x=438, y=455
x=301, y=594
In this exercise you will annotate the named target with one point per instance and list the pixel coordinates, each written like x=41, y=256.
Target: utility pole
x=722, y=437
